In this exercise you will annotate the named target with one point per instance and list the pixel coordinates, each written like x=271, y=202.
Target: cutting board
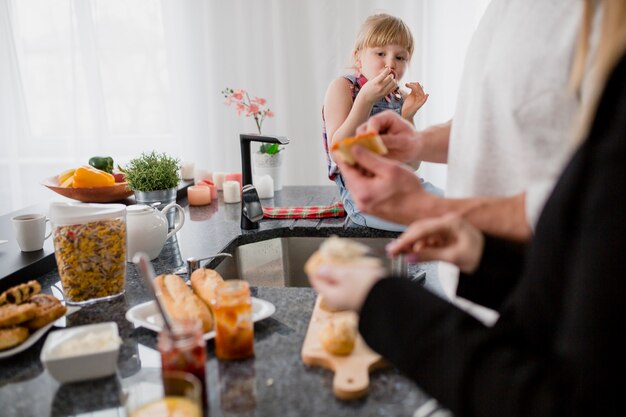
x=351, y=380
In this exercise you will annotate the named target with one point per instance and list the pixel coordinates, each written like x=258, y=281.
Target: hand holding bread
x=369, y=140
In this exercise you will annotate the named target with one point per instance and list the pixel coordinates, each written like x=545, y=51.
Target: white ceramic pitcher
x=147, y=228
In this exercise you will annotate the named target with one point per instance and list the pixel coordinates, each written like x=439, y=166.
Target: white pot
x=147, y=229
x=272, y=165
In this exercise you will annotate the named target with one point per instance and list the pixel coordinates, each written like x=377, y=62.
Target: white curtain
x=80, y=78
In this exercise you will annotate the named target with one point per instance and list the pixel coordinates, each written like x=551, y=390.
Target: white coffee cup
x=30, y=231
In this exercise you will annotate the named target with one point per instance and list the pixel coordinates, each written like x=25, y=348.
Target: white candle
x=264, y=186
x=218, y=179
x=202, y=174
x=232, y=192
x=186, y=170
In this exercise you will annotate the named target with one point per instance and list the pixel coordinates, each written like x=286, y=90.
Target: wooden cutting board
x=351, y=379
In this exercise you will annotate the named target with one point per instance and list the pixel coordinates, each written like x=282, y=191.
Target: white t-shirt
x=512, y=128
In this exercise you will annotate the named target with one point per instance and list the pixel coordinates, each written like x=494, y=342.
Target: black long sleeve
x=557, y=347
x=497, y=274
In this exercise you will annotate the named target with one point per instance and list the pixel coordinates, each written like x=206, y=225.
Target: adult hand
x=384, y=187
x=398, y=135
x=378, y=87
x=414, y=100
x=447, y=238
x=345, y=287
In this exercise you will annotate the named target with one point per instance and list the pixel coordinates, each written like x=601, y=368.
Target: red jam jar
x=184, y=349
x=234, y=330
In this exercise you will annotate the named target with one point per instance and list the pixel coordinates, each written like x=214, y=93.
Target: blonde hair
x=611, y=46
x=383, y=29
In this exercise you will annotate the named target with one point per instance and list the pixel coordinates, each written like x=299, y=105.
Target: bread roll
x=203, y=282
x=370, y=140
x=49, y=308
x=180, y=301
x=338, y=336
x=12, y=336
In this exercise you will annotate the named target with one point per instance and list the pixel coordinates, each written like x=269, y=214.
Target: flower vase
x=272, y=165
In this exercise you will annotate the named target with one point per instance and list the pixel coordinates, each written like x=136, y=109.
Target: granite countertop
x=274, y=383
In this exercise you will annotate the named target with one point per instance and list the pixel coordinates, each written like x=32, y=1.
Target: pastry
x=335, y=250
x=11, y=314
x=203, y=282
x=12, y=336
x=370, y=140
x=338, y=335
x=48, y=310
x=180, y=301
x=20, y=293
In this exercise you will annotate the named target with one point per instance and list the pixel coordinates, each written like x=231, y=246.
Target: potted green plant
x=268, y=160
x=154, y=177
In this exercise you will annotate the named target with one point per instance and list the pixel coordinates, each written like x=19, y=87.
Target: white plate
x=147, y=315
x=34, y=337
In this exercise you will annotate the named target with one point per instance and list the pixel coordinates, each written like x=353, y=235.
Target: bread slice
x=12, y=336
x=204, y=282
x=49, y=308
x=181, y=302
x=338, y=335
x=370, y=140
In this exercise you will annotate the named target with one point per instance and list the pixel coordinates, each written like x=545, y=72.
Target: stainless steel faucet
x=251, y=210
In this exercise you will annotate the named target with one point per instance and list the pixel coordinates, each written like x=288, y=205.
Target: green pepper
x=103, y=163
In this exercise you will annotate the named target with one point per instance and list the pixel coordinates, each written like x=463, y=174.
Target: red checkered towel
x=305, y=212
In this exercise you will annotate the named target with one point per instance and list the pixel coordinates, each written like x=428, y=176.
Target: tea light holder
x=199, y=195
x=218, y=179
x=232, y=192
x=186, y=171
x=264, y=186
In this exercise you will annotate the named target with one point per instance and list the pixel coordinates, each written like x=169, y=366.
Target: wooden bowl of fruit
x=88, y=185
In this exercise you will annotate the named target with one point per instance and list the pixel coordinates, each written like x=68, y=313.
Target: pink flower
x=254, y=107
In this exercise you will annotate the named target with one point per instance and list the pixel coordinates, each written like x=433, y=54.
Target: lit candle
x=264, y=186
x=234, y=176
x=218, y=179
x=232, y=192
x=186, y=171
x=199, y=195
x=202, y=174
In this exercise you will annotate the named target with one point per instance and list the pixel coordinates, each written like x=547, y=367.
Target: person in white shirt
x=509, y=137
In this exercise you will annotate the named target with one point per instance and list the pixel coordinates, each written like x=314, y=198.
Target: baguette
x=180, y=301
x=369, y=140
x=12, y=336
x=204, y=282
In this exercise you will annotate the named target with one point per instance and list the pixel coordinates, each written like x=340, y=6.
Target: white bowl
x=82, y=352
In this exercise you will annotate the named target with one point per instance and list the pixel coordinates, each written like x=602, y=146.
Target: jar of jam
x=184, y=349
x=234, y=331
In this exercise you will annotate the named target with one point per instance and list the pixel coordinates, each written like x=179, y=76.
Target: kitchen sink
x=279, y=262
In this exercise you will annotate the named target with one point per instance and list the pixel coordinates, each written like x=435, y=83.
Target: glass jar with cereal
x=90, y=250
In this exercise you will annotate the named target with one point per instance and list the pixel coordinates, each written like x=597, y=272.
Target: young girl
x=381, y=55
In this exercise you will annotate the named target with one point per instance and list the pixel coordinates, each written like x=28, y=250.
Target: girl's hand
x=414, y=100
x=447, y=238
x=378, y=87
x=345, y=287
